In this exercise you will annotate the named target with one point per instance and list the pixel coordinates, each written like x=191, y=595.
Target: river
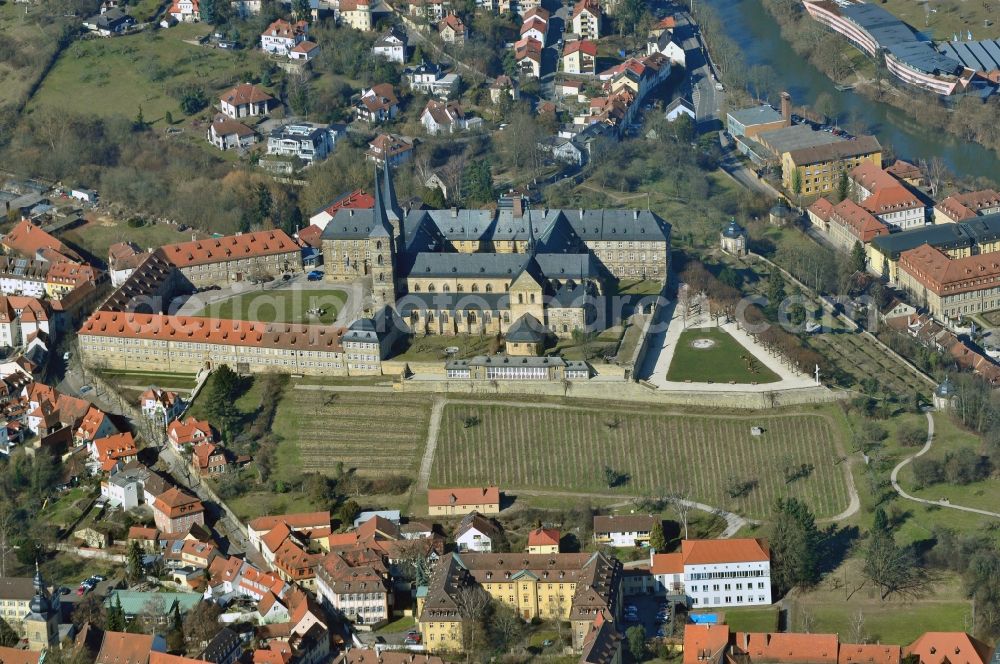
x=749, y=25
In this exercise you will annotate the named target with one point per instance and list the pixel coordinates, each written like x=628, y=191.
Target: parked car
x=412, y=640
x=85, y=389
x=286, y=277
x=315, y=275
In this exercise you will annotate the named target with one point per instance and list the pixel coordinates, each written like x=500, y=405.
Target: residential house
x=113, y=450
x=378, y=104
x=22, y=319
x=389, y=150
x=444, y=117
x=391, y=45
x=226, y=133
x=430, y=79
x=432, y=10
x=667, y=46
x=603, y=643
x=571, y=89
x=907, y=173
x=209, y=459
x=459, y=501
x=123, y=258
x=476, y=533
x=580, y=57
x=244, y=101
x=281, y=36
x=528, y=57
x=886, y=198
x=109, y=23
x=30, y=241
x=543, y=541
x=535, y=25
x=311, y=525
x=412, y=530
x=95, y=424
x=680, y=107
x=623, y=530
x=160, y=405
x=185, y=11
x=176, y=511
x=389, y=515
x=224, y=648
x=128, y=648
x=503, y=86
x=304, y=51
x=716, y=573
x=586, y=19
x=452, y=30
x=246, y=8
x=309, y=141
x=189, y=432
x=562, y=149
x=357, y=14
x=354, y=200
x=15, y=600
x=849, y=223
x=19, y=656
x=357, y=586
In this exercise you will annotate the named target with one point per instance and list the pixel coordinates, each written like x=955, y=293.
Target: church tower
x=41, y=625
x=382, y=244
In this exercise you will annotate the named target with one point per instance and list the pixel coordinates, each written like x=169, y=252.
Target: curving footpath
x=938, y=503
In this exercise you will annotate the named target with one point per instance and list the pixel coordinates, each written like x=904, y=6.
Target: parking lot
x=650, y=613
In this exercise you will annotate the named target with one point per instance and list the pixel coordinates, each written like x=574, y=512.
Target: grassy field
x=725, y=362
x=949, y=17
x=31, y=39
x=949, y=437
x=764, y=619
x=280, y=306
x=95, y=236
x=520, y=447
x=108, y=77
x=165, y=380
x=828, y=609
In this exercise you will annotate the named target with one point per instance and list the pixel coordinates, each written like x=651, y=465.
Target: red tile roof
x=230, y=248
x=788, y=648
x=543, y=537
x=950, y=647
x=27, y=239
x=189, y=431
x=285, y=30
x=214, y=330
x=948, y=276
x=18, y=656
x=466, y=496
x=583, y=45
x=297, y=521
x=858, y=221
x=822, y=208
x=175, y=503
x=528, y=48
x=591, y=6
x=709, y=552
x=311, y=236
x=388, y=145
x=891, y=199
x=854, y=653
x=667, y=563
x=245, y=93
x=125, y=648
x=112, y=449
x=704, y=643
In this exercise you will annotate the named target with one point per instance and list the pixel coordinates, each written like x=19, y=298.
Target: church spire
x=392, y=210
x=381, y=222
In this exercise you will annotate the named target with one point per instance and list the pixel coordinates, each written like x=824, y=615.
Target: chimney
x=786, y=108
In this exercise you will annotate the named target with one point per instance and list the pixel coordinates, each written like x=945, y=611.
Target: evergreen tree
x=842, y=186
x=858, y=258
x=139, y=124
x=775, y=292
x=168, y=117
x=881, y=522
x=796, y=182
x=657, y=540
x=302, y=10
x=134, y=565
x=795, y=546
x=116, y=616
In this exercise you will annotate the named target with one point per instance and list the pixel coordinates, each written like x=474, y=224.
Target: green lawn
x=832, y=608
x=567, y=449
x=280, y=306
x=639, y=287
x=763, y=619
x=726, y=361
x=109, y=77
x=164, y=380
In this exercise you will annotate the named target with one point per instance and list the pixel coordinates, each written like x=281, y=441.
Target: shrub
x=965, y=466
x=927, y=472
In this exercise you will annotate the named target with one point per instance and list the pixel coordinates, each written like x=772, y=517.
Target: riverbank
x=751, y=45
x=969, y=119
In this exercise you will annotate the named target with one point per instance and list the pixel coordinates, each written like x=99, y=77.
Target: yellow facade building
x=573, y=587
